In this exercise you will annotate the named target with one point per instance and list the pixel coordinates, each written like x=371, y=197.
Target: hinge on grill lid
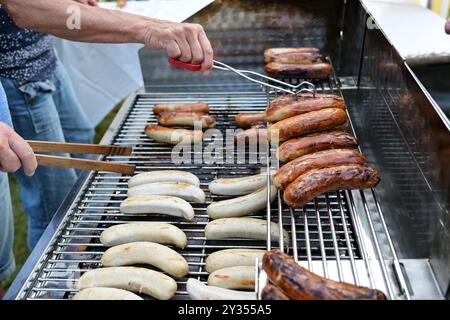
x=261, y=279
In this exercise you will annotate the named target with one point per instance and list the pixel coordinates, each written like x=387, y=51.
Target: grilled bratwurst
x=304, y=71
x=201, y=107
x=271, y=53
x=291, y=105
x=322, y=159
x=188, y=119
x=298, y=147
x=319, y=181
x=271, y=292
x=314, y=121
x=247, y=120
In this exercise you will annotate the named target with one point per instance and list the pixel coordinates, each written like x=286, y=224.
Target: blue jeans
x=7, y=264
x=46, y=110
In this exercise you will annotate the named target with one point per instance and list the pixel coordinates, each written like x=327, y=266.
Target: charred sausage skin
x=304, y=71
x=201, y=107
x=306, y=123
x=298, y=147
x=322, y=159
x=271, y=53
x=292, y=105
x=300, y=284
x=271, y=292
x=247, y=120
x=319, y=181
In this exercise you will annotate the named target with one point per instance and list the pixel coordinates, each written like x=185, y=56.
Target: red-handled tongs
x=305, y=86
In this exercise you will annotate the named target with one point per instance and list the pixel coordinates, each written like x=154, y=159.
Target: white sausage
x=247, y=228
x=200, y=291
x=168, y=205
x=173, y=136
x=164, y=176
x=232, y=258
x=140, y=280
x=241, y=206
x=181, y=190
x=151, y=253
x=239, y=277
x=238, y=186
x=164, y=233
x=105, y=294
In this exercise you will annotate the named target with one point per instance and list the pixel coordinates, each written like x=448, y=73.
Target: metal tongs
x=304, y=86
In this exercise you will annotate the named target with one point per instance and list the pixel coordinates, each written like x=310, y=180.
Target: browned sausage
x=270, y=292
x=173, y=136
x=298, y=147
x=322, y=159
x=201, y=107
x=285, y=107
x=253, y=134
x=319, y=181
x=247, y=120
x=310, y=122
x=170, y=119
x=271, y=52
x=304, y=71
x=297, y=57
x=300, y=284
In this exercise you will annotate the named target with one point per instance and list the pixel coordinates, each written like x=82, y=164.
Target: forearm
x=95, y=24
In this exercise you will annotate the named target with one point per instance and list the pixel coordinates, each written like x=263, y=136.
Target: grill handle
x=184, y=65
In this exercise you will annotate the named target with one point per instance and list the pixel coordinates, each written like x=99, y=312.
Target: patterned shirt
x=25, y=55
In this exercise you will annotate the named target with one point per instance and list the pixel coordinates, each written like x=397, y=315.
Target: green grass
x=21, y=251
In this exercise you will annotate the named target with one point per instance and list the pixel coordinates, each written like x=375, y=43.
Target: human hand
x=88, y=2
x=15, y=152
x=121, y=3
x=186, y=42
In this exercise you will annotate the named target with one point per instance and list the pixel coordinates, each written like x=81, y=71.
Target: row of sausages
x=180, y=115
x=304, y=63
x=318, y=155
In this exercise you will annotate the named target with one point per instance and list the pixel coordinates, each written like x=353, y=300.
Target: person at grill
x=42, y=101
x=14, y=152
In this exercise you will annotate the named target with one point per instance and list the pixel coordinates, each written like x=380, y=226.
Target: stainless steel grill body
x=394, y=238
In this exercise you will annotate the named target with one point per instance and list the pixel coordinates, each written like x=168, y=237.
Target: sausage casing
x=173, y=136
x=247, y=120
x=292, y=105
x=270, y=53
x=298, y=57
x=310, y=122
x=318, y=181
x=251, y=135
x=189, y=119
x=298, y=147
x=322, y=159
x=201, y=107
x=271, y=292
x=304, y=71
x=300, y=284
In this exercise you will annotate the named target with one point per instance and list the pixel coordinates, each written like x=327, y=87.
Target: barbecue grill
x=394, y=238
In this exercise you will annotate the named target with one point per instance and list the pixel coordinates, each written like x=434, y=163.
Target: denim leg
x=75, y=124
x=35, y=117
x=7, y=264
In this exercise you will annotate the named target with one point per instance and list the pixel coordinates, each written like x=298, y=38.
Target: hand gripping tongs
x=304, y=86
